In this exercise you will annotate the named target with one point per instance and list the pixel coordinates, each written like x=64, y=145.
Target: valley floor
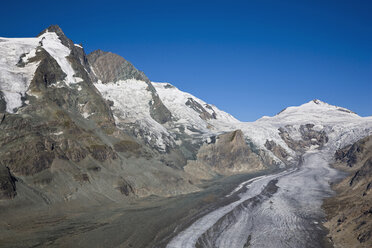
x=147, y=222
x=271, y=209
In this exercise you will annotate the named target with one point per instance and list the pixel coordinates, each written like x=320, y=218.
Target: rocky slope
x=350, y=211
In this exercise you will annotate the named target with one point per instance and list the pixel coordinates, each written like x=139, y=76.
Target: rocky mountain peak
x=110, y=67
x=53, y=28
x=61, y=35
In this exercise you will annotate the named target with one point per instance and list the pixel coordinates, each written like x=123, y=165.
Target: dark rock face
x=309, y=137
x=125, y=188
x=2, y=102
x=7, y=183
x=350, y=212
x=110, y=67
x=277, y=150
x=158, y=111
x=47, y=73
x=364, y=172
x=200, y=109
x=350, y=154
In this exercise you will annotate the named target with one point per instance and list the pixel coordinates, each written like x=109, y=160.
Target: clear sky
x=249, y=58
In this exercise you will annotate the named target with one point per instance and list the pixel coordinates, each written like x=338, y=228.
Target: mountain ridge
x=98, y=109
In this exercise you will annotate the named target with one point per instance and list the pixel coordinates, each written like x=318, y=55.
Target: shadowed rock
x=7, y=183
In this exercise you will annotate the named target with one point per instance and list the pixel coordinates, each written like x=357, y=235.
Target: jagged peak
x=98, y=52
x=61, y=35
x=52, y=29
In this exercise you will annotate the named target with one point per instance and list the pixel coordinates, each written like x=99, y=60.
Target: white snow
x=77, y=45
x=15, y=80
x=86, y=115
x=78, y=79
x=342, y=127
x=132, y=106
x=175, y=100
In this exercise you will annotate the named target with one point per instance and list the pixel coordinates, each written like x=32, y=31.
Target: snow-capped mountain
x=340, y=125
x=94, y=125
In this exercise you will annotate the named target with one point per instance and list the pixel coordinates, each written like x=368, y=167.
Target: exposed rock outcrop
x=226, y=154
x=2, y=103
x=307, y=137
x=200, y=109
x=277, y=150
x=7, y=183
x=350, y=211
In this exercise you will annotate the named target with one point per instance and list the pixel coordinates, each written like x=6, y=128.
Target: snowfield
x=132, y=102
x=342, y=126
x=175, y=100
x=15, y=80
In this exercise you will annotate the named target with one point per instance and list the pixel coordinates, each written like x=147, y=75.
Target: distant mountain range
x=93, y=128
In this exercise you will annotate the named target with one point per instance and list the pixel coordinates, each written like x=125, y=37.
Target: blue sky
x=249, y=58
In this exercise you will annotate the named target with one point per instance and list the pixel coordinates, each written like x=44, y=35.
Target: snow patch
x=86, y=115
x=78, y=79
